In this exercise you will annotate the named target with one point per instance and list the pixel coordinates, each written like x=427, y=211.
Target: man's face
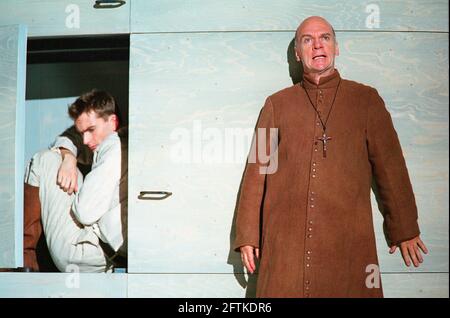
x=95, y=129
x=316, y=46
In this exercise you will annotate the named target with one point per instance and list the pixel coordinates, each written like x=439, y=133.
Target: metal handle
x=143, y=195
x=108, y=4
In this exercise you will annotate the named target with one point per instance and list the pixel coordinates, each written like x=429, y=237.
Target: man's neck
x=315, y=77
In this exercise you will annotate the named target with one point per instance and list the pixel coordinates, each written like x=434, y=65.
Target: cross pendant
x=324, y=139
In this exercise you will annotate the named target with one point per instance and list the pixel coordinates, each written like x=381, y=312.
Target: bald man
x=310, y=221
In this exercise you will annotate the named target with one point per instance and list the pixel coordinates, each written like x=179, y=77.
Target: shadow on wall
x=234, y=258
x=295, y=68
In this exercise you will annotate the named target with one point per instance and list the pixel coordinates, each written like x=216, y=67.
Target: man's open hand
x=410, y=251
x=248, y=254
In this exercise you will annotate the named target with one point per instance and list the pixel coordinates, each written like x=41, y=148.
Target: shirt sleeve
x=393, y=187
x=96, y=194
x=252, y=187
x=72, y=140
x=65, y=142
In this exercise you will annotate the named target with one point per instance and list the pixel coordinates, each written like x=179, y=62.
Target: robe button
x=308, y=258
x=310, y=229
x=309, y=235
x=314, y=164
x=310, y=222
x=312, y=206
x=308, y=252
x=307, y=287
x=317, y=124
x=307, y=265
x=307, y=282
x=307, y=295
x=313, y=175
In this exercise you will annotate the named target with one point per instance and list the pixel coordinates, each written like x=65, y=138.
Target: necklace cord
x=324, y=127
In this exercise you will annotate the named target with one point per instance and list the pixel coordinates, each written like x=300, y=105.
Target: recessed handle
x=108, y=4
x=154, y=195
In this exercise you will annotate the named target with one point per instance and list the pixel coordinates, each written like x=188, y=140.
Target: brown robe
x=312, y=218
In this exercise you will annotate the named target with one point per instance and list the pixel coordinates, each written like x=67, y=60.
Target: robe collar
x=329, y=81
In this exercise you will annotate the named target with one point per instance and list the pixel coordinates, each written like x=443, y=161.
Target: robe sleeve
x=253, y=182
x=394, y=190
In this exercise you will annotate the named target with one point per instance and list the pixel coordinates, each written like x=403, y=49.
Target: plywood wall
x=212, y=65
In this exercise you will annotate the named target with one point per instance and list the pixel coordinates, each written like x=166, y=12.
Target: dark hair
x=101, y=102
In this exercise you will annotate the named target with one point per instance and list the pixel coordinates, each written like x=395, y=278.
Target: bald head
x=316, y=47
x=312, y=21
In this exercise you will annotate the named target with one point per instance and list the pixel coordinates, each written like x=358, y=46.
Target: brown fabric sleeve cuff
x=237, y=245
x=406, y=236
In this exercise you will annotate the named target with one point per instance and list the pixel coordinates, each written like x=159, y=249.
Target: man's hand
x=67, y=173
x=247, y=256
x=410, y=250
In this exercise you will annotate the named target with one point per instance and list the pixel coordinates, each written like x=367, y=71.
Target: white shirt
x=97, y=201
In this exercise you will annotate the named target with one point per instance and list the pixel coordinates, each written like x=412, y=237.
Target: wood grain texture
x=205, y=84
x=189, y=285
x=12, y=120
x=266, y=15
x=410, y=72
x=62, y=285
x=419, y=285
x=67, y=17
x=57, y=285
x=45, y=119
x=425, y=285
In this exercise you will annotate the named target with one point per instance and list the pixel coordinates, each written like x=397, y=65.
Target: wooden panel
x=190, y=285
x=204, y=85
x=219, y=85
x=45, y=119
x=267, y=15
x=56, y=285
x=420, y=285
x=12, y=101
x=44, y=285
x=413, y=80
x=64, y=17
x=424, y=285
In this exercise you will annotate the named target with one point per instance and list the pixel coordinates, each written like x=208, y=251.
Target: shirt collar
x=329, y=81
x=108, y=140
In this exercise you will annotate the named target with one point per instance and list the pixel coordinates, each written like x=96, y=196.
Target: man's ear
x=114, y=121
x=337, y=50
x=296, y=55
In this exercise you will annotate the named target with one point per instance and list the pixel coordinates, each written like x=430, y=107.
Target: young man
x=82, y=219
